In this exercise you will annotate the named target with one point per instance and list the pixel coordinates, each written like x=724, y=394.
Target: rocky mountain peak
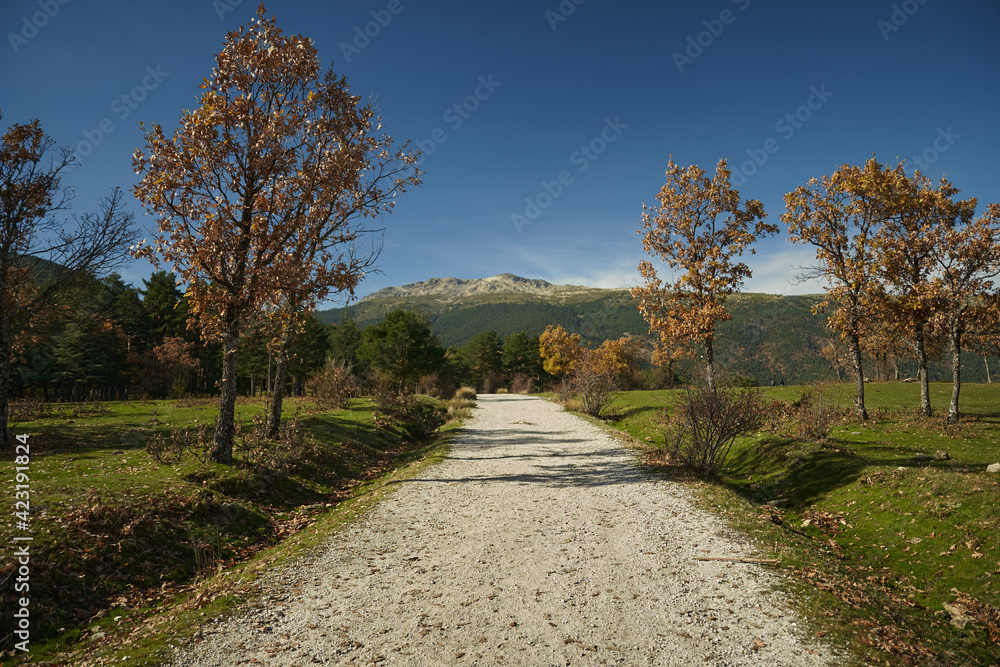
x=505, y=283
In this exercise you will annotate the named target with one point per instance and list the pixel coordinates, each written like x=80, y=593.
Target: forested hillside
x=770, y=338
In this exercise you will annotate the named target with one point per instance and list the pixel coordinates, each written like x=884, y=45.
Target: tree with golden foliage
x=839, y=215
x=667, y=354
x=622, y=355
x=700, y=228
x=904, y=254
x=968, y=259
x=559, y=350
x=254, y=194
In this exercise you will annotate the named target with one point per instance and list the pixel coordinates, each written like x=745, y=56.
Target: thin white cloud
x=781, y=272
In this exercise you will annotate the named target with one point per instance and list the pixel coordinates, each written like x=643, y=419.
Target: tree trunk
x=989, y=378
x=925, y=388
x=955, y=336
x=225, y=425
x=859, y=376
x=278, y=393
x=710, y=364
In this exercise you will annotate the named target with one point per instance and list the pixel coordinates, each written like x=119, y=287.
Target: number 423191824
x=22, y=490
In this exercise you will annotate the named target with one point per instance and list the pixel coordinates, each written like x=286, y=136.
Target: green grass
x=120, y=538
x=880, y=535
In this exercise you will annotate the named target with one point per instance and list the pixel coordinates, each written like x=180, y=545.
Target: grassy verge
x=130, y=552
x=896, y=551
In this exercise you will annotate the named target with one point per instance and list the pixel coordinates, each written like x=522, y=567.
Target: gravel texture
x=537, y=541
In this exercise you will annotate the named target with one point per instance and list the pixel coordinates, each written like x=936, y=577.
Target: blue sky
x=566, y=115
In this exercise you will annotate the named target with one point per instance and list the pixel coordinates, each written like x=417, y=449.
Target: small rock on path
x=537, y=541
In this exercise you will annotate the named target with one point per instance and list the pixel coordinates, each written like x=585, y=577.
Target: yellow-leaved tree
x=968, y=260
x=700, y=229
x=559, y=350
x=905, y=257
x=840, y=216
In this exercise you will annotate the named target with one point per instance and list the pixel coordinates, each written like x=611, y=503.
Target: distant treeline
x=769, y=339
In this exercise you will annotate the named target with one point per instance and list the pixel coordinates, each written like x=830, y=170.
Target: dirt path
x=537, y=542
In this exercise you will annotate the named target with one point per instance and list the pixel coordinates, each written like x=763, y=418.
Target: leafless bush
x=593, y=378
x=28, y=409
x=492, y=383
x=430, y=385
x=334, y=386
x=817, y=413
x=522, y=385
x=170, y=449
x=705, y=423
x=389, y=398
x=564, y=392
x=292, y=449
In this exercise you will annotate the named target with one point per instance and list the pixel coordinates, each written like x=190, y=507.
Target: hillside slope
x=771, y=338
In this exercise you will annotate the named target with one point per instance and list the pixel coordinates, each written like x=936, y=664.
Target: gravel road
x=537, y=542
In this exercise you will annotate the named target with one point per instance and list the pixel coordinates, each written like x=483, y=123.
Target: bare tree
x=43, y=256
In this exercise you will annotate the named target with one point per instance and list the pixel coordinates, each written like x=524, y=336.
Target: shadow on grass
x=799, y=473
x=622, y=415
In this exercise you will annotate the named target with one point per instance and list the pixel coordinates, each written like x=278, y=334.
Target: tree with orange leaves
x=839, y=215
x=258, y=192
x=904, y=254
x=968, y=259
x=701, y=228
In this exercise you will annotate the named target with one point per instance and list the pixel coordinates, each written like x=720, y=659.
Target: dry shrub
x=492, y=383
x=564, y=393
x=460, y=408
x=705, y=423
x=334, y=386
x=430, y=385
x=594, y=379
x=386, y=394
x=170, y=449
x=522, y=385
x=817, y=413
x=288, y=453
x=27, y=409
x=467, y=393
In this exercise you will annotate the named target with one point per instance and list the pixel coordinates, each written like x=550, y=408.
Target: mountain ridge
x=772, y=338
x=504, y=283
